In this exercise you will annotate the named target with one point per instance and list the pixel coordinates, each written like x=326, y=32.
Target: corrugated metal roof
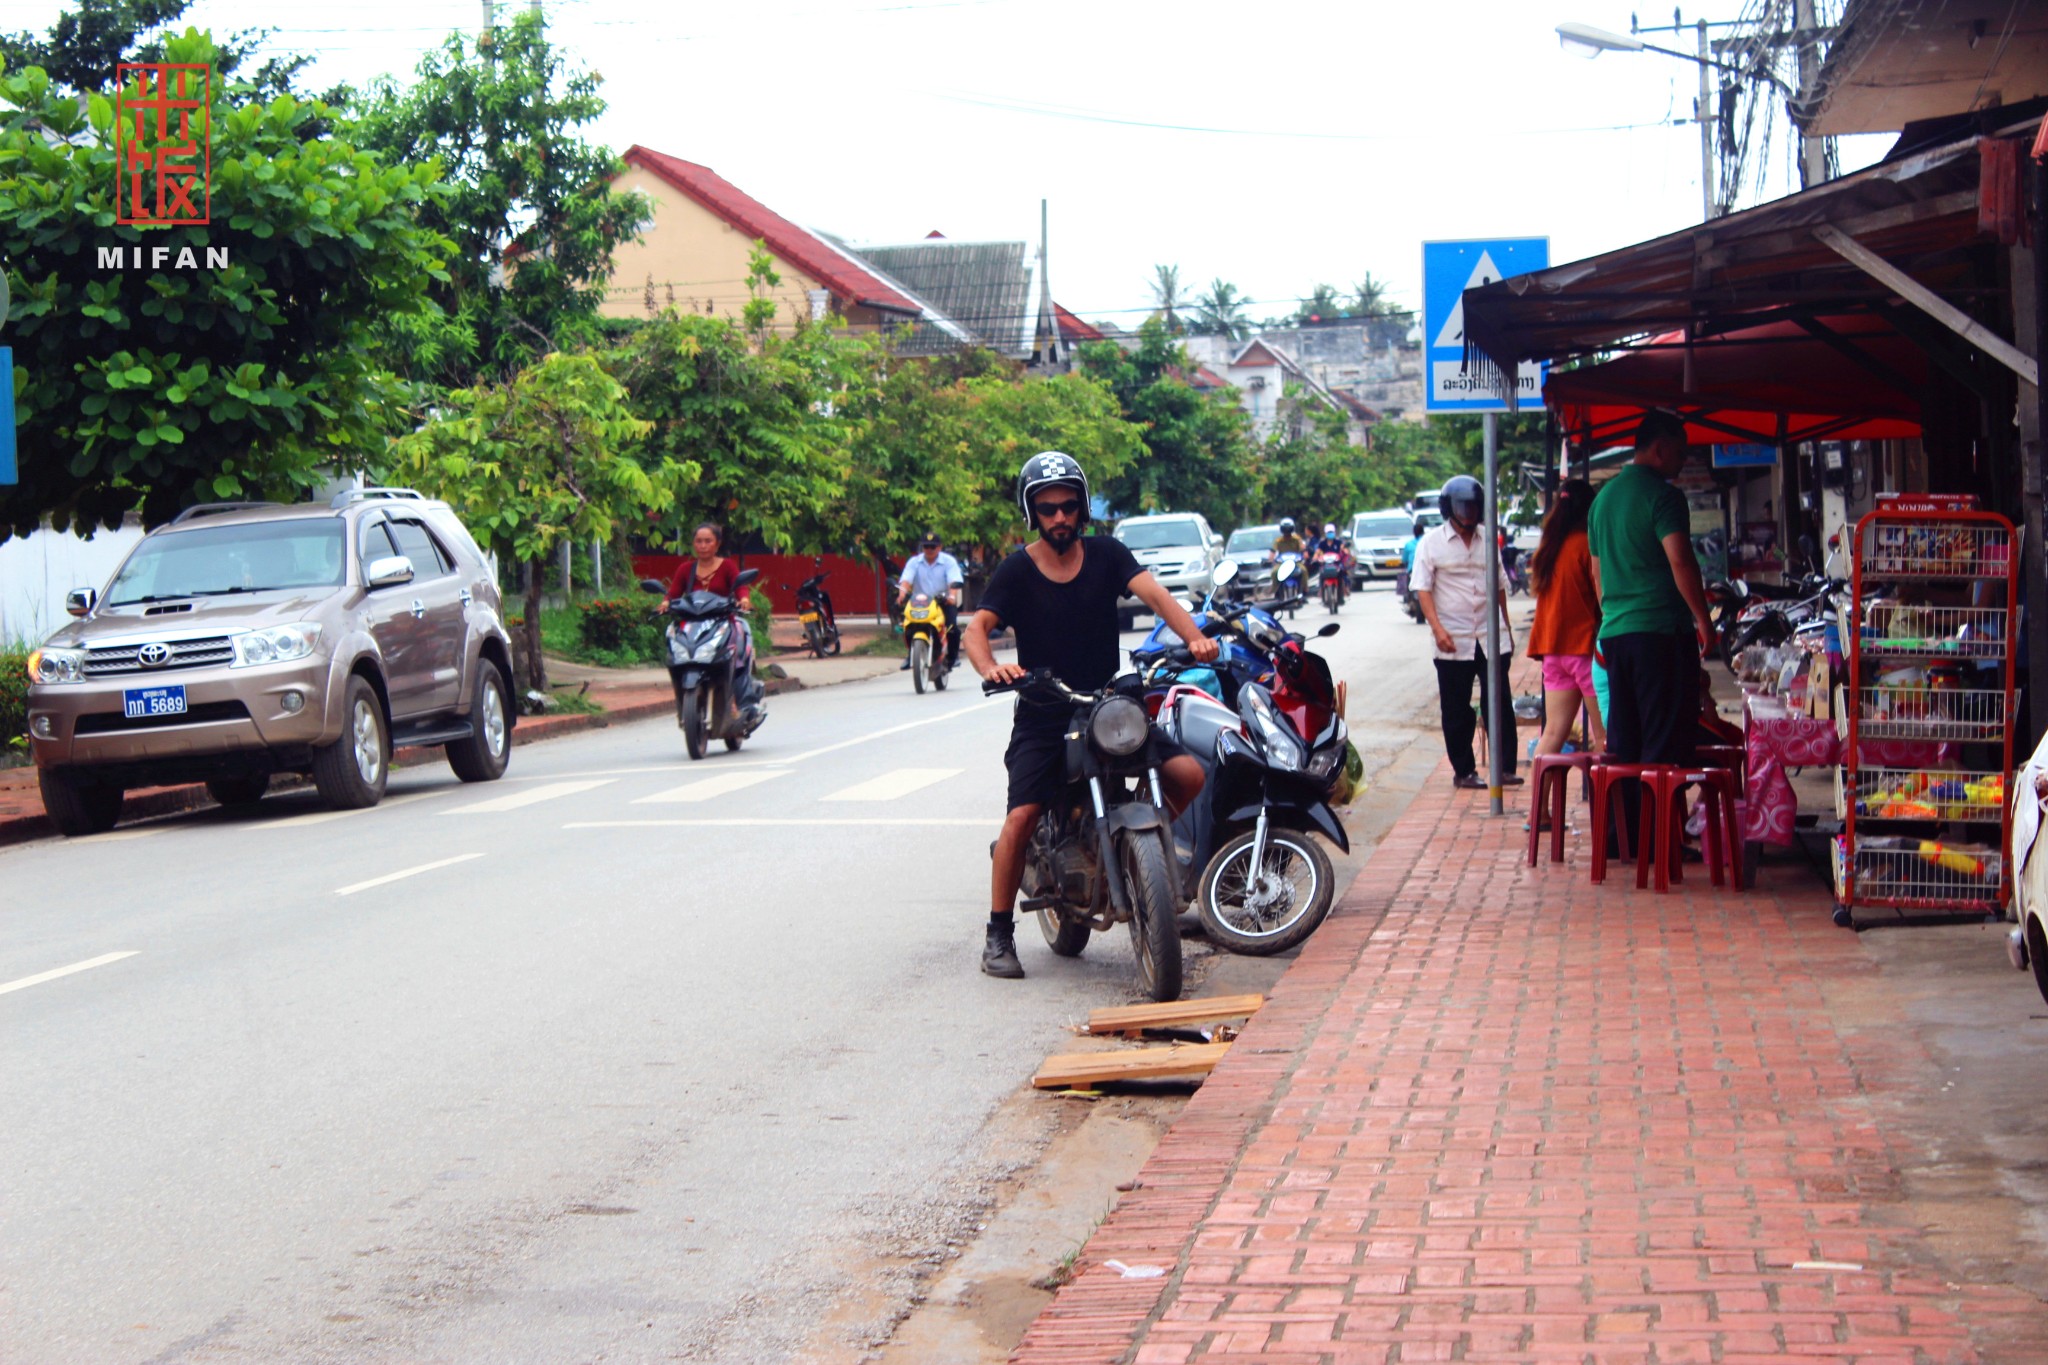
x=984, y=288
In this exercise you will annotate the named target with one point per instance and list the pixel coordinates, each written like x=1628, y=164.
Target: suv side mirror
x=81, y=601
x=653, y=585
x=388, y=572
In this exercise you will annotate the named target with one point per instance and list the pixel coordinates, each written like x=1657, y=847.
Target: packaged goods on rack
x=1921, y=794
x=1937, y=549
x=1904, y=868
x=1892, y=627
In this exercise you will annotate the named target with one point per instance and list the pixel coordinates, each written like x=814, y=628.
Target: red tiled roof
x=1072, y=328
x=815, y=258
x=1206, y=378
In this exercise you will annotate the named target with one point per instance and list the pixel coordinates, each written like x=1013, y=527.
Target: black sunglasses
x=1070, y=508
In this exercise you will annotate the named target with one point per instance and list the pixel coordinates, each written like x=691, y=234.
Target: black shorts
x=1037, y=758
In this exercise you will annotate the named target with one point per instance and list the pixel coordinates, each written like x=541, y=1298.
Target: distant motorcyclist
x=936, y=574
x=1287, y=542
x=1059, y=596
x=1331, y=545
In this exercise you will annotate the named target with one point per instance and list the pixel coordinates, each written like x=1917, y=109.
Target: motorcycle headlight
x=1324, y=763
x=49, y=666
x=707, y=648
x=1119, y=726
x=1283, y=747
x=276, y=644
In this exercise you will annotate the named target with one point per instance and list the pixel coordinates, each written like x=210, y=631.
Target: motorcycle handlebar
x=1039, y=680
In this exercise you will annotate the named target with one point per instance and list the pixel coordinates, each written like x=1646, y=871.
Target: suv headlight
x=56, y=666
x=276, y=644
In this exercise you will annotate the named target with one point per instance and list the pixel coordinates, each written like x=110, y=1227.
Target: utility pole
x=1702, y=115
x=1813, y=151
x=1500, y=721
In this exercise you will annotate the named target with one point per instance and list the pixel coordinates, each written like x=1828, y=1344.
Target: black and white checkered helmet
x=1049, y=469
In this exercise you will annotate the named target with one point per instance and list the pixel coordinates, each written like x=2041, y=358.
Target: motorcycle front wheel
x=920, y=656
x=1276, y=908
x=691, y=704
x=1155, y=935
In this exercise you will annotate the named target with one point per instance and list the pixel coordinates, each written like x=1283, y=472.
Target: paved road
x=621, y=1058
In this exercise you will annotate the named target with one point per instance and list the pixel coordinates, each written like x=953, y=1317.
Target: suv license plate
x=137, y=702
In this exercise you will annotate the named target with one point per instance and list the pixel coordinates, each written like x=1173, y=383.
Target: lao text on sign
x=163, y=143
x=1458, y=381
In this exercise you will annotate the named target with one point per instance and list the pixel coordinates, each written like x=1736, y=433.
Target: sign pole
x=1495, y=703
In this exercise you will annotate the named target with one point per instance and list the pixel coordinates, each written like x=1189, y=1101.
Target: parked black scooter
x=711, y=665
x=814, y=612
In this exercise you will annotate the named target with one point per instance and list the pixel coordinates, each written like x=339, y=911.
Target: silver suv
x=1179, y=549
x=249, y=639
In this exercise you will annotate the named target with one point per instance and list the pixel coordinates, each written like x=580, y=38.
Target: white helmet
x=1329, y=528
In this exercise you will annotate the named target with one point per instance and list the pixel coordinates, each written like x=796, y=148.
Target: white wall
x=37, y=570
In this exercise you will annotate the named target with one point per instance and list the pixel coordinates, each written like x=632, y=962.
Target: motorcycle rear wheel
x=1155, y=933
x=1064, y=933
x=920, y=654
x=814, y=639
x=1298, y=883
x=691, y=703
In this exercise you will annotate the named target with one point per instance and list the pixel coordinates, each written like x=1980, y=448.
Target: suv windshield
x=1382, y=528
x=1157, y=535
x=1253, y=538
x=249, y=557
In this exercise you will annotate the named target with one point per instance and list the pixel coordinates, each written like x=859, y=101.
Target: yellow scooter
x=924, y=631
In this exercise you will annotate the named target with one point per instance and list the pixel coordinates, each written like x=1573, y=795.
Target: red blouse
x=723, y=580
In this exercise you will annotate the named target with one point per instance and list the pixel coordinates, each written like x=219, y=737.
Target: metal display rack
x=1929, y=637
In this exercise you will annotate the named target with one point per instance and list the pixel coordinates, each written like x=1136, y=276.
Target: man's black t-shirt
x=1069, y=627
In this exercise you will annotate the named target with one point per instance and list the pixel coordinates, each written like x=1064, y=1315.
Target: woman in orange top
x=1567, y=620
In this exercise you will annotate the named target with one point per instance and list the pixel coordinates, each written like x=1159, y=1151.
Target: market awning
x=1837, y=377
x=1764, y=265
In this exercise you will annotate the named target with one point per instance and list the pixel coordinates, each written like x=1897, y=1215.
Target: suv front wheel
x=351, y=772
x=482, y=757
x=77, y=806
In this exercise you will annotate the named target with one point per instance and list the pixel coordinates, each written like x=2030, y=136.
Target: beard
x=1061, y=537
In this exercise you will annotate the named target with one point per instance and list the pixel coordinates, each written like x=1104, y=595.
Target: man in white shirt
x=936, y=574
x=1449, y=583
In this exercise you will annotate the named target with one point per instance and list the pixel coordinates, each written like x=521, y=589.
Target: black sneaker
x=999, y=954
x=1471, y=782
x=904, y=667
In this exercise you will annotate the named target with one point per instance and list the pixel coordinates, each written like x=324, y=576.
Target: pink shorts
x=1568, y=673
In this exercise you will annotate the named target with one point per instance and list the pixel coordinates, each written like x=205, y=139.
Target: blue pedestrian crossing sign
x=1451, y=382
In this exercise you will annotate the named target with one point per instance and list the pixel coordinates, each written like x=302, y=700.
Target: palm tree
x=1323, y=305
x=1166, y=293
x=1372, y=297
x=1220, y=312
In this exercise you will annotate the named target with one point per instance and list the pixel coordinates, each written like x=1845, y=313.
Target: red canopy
x=1849, y=377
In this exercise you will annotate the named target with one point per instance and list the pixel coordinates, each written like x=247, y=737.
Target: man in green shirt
x=1653, y=608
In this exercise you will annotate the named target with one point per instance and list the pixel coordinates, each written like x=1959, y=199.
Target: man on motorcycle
x=1287, y=543
x=936, y=574
x=1058, y=595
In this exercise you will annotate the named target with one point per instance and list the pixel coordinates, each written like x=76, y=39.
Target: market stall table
x=1777, y=739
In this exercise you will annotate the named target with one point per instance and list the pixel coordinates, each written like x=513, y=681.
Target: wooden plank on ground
x=1173, y=1014
x=1074, y=1069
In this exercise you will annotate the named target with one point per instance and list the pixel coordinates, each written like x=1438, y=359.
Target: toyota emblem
x=153, y=655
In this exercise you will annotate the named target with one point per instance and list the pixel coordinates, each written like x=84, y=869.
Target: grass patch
x=573, y=703
x=562, y=637
x=887, y=646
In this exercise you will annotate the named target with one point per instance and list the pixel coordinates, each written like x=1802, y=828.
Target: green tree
x=162, y=385
x=81, y=51
x=1166, y=294
x=544, y=455
x=1322, y=304
x=1220, y=312
x=527, y=201
x=1197, y=444
x=1308, y=467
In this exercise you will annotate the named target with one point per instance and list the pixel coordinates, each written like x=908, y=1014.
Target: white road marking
x=704, y=788
x=408, y=872
x=116, y=836
x=531, y=796
x=321, y=817
x=933, y=719
x=773, y=822
x=895, y=785
x=40, y=977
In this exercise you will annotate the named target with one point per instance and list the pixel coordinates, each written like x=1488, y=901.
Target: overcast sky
x=1274, y=144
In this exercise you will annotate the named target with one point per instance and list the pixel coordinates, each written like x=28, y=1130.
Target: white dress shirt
x=1455, y=571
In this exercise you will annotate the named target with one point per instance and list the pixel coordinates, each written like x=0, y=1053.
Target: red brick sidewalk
x=1494, y=1113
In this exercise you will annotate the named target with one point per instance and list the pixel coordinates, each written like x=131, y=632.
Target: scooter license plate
x=138, y=702
x=808, y=618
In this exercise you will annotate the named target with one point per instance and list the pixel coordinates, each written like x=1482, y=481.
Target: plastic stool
x=1729, y=756
x=1548, y=776
x=1718, y=790
x=1605, y=773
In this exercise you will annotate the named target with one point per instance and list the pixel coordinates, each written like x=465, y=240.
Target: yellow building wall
x=696, y=260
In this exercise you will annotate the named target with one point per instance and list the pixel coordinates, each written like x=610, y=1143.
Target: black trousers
x=1454, y=679
x=952, y=631
x=1653, y=705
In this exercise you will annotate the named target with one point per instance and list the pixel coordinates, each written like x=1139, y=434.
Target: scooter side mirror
x=747, y=576
x=1223, y=572
x=1327, y=631
x=653, y=585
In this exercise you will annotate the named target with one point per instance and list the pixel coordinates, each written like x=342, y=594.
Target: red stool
x=1729, y=756
x=1548, y=776
x=1605, y=774
x=1718, y=789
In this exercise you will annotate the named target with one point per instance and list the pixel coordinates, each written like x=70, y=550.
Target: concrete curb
x=153, y=802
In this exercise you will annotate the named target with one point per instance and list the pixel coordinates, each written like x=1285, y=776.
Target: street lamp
x=1592, y=41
